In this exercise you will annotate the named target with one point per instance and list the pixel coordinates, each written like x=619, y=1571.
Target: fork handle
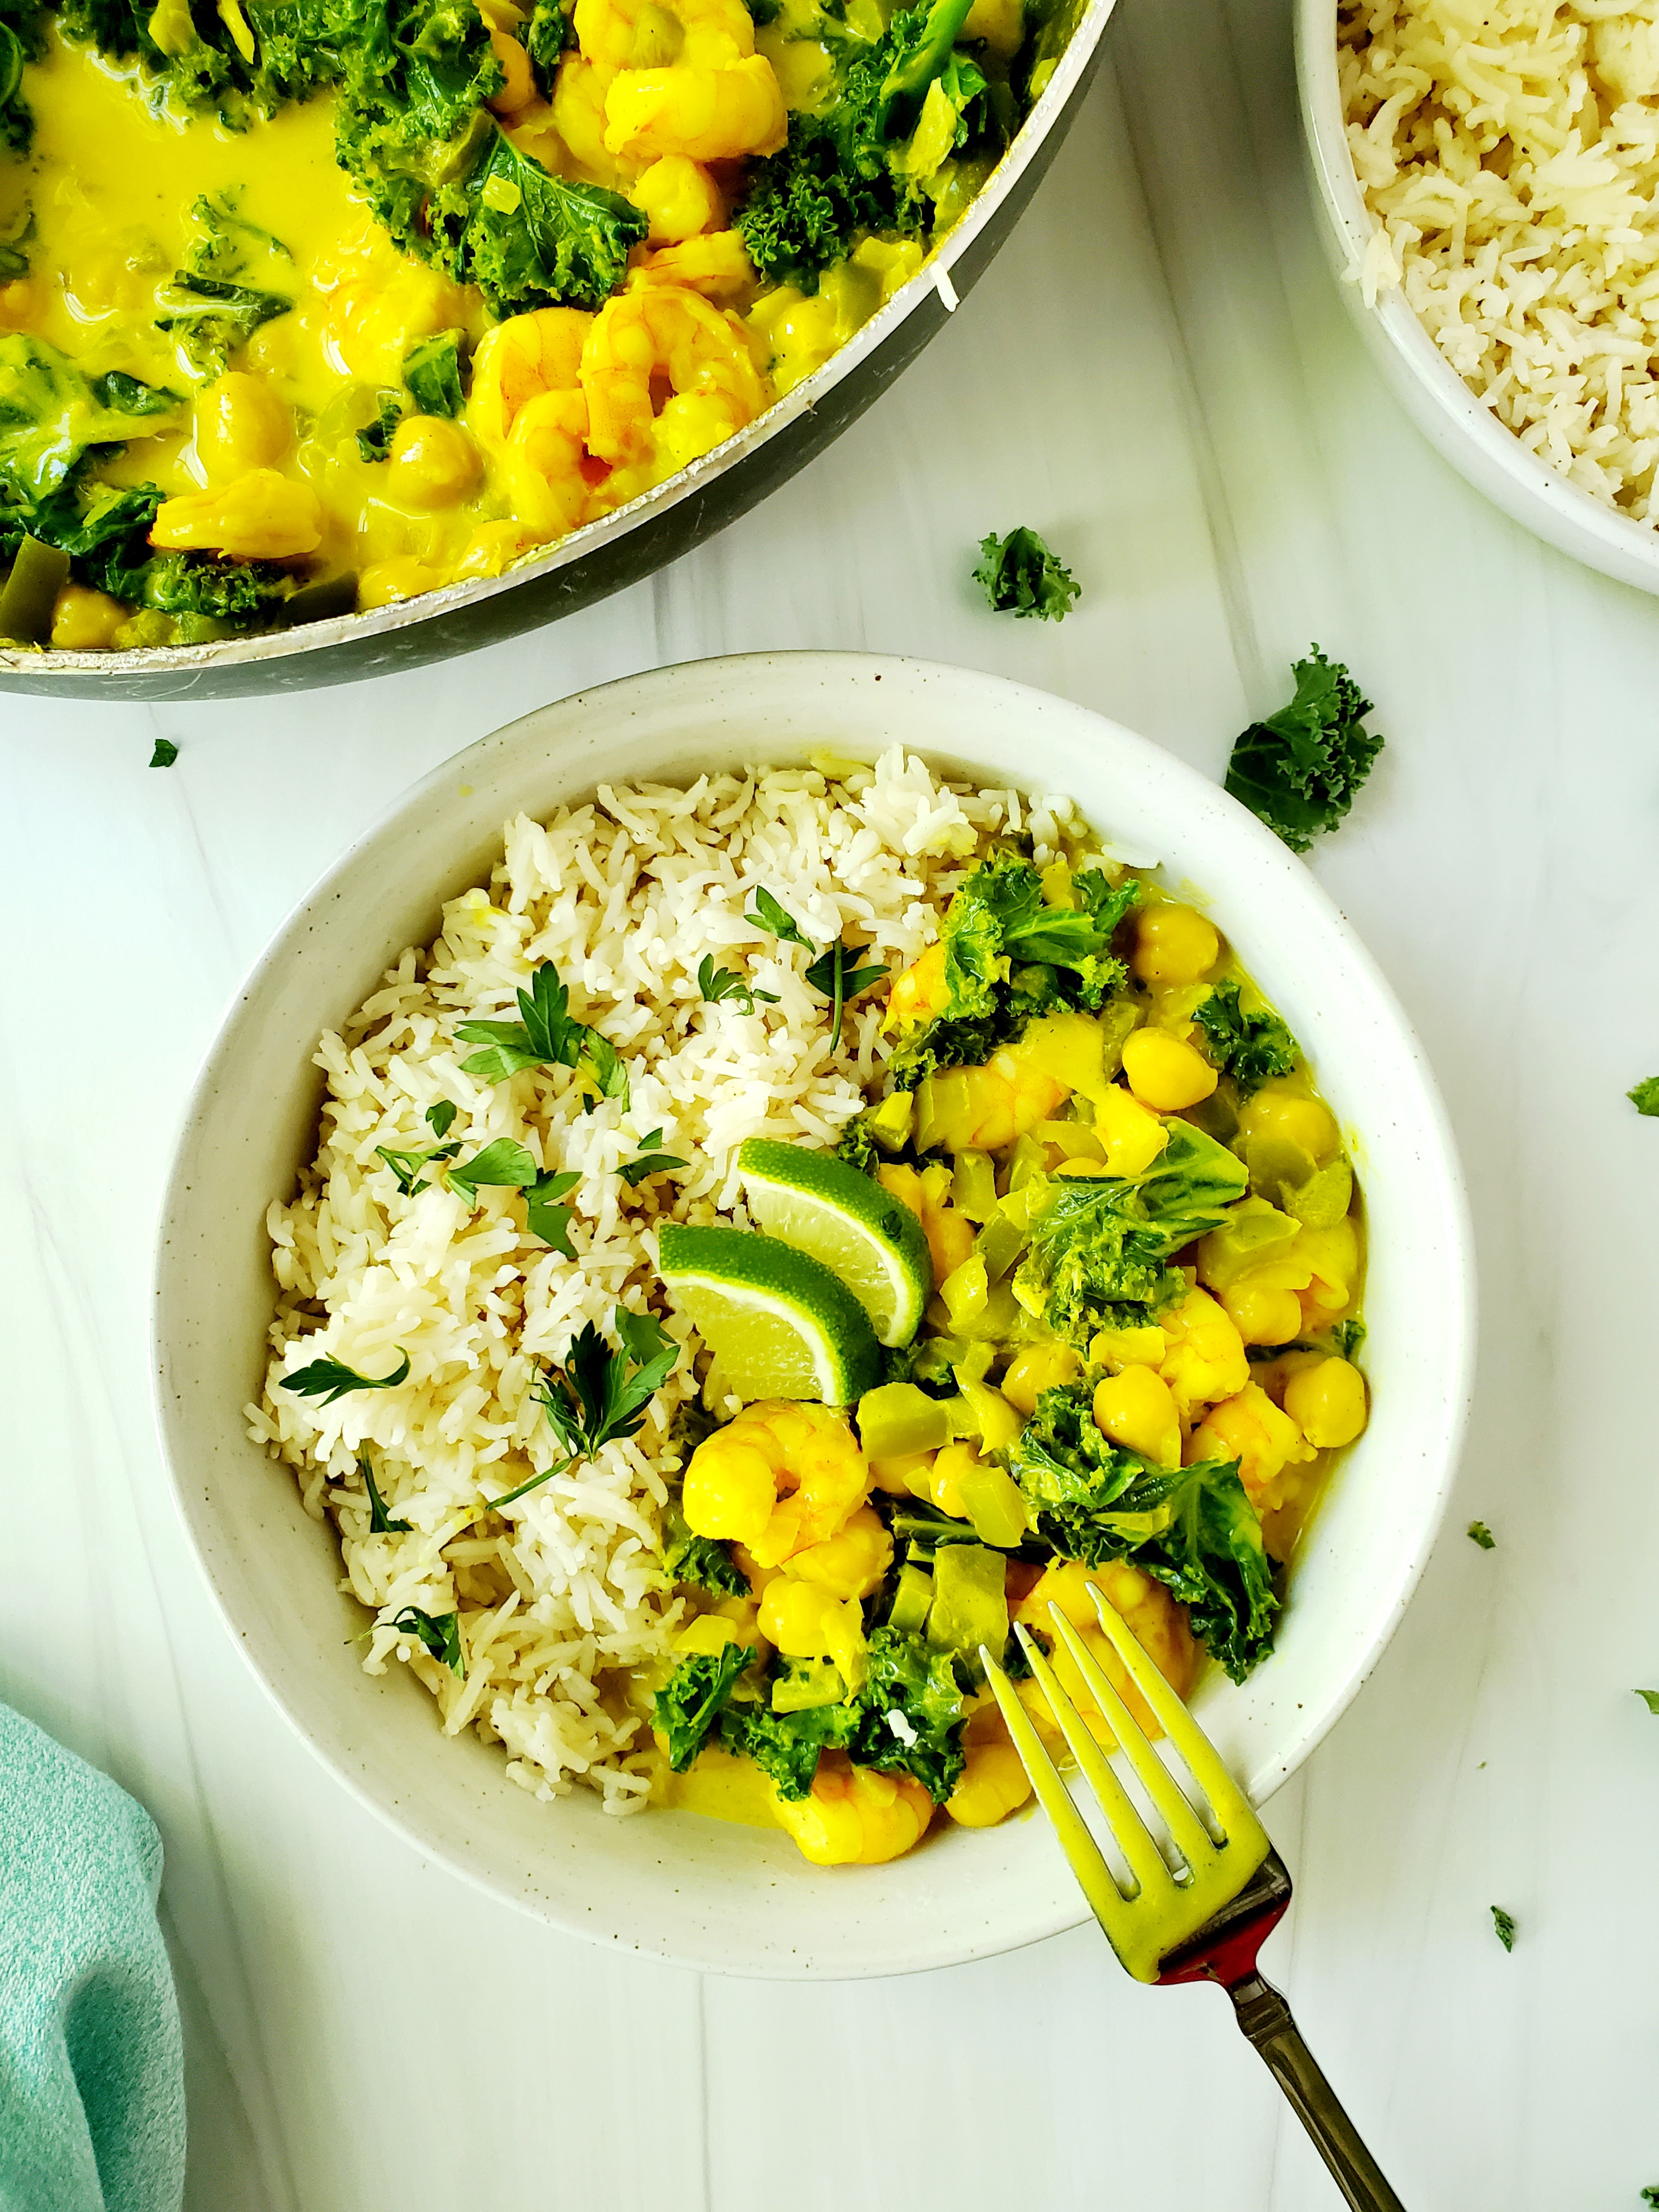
x=1266, y=2019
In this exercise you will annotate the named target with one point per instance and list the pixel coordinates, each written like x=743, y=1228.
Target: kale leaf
x=906, y=1718
x=701, y=1562
x=375, y=439
x=528, y=239
x=1020, y=576
x=1251, y=1046
x=693, y=1698
x=1478, y=1533
x=1504, y=1927
x=433, y=375
x=1645, y=1096
x=1193, y=1528
x=209, y=319
x=1100, y=1244
x=22, y=40
x=1299, y=771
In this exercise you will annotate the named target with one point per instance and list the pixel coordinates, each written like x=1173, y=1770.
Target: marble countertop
x=1158, y=374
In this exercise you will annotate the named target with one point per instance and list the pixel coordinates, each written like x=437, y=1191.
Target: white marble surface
x=1158, y=374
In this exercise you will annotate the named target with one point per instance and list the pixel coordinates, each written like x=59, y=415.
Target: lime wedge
x=779, y=1325
x=841, y=1217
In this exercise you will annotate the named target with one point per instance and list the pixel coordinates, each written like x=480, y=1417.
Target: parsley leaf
x=440, y=1632
x=601, y=1395
x=718, y=983
x=1504, y=1924
x=834, y=974
x=1478, y=1533
x=546, y=1037
x=329, y=1379
x=1249, y=1046
x=605, y=1062
x=1650, y=1698
x=1644, y=1098
x=504, y=1163
x=547, y=1218
x=439, y=1117
x=1299, y=771
x=649, y=1163
x=379, y=1522
x=407, y=1167
x=770, y=916
x=165, y=753
x=1348, y=1336
x=1020, y=576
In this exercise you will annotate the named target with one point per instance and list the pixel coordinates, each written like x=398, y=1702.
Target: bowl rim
x=1447, y=409
x=1443, y=1425
x=933, y=276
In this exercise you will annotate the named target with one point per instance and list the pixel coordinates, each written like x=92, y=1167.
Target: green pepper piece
x=911, y=1600
x=896, y=1419
x=971, y=1604
x=30, y=593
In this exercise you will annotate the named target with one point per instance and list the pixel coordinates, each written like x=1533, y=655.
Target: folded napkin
x=92, y=2084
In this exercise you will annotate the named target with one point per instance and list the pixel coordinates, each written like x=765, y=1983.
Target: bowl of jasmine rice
x=1484, y=186
x=528, y=1032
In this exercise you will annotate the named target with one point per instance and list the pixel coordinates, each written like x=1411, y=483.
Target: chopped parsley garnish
x=504, y=1163
x=438, y=1118
x=409, y=1168
x=1299, y=771
x=379, y=1522
x=547, y=1218
x=1645, y=1096
x=600, y=1395
x=167, y=752
x=1650, y=1698
x=717, y=984
x=770, y=916
x=440, y=1632
x=1020, y=576
x=835, y=972
x=547, y=1036
x=634, y=1172
x=1479, y=1533
x=1504, y=1923
x=329, y=1379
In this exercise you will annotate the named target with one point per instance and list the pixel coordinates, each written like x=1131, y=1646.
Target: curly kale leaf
x=211, y=319
x=1100, y=1244
x=529, y=240
x=50, y=416
x=22, y=40
x=551, y=28
x=1193, y=1528
x=693, y=1698
x=1020, y=576
x=1250, y=1045
x=434, y=376
x=700, y=1562
x=906, y=1718
x=1299, y=771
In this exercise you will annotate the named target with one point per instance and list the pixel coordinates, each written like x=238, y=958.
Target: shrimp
x=578, y=93
x=708, y=115
x=663, y=331
x=1264, y=1440
x=778, y=1479
x=993, y=1782
x=716, y=264
x=518, y=361
x=1150, y=1612
x=646, y=34
x=551, y=478
x=854, y=1816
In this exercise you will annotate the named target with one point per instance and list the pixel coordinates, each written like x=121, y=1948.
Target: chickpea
x=679, y=199
x=240, y=425
x=519, y=89
x=1327, y=1402
x=1164, y=1073
x=84, y=621
x=433, y=463
x=1262, y=1316
x=1174, y=945
x=1137, y=1409
x=1040, y=1367
x=1297, y=1120
x=262, y=516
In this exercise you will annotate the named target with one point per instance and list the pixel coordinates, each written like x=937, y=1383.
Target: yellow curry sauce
x=1251, y=1364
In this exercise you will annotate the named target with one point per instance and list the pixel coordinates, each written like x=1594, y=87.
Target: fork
x=1205, y=1919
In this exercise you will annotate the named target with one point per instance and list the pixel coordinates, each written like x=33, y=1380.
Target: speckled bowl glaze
x=672, y=1885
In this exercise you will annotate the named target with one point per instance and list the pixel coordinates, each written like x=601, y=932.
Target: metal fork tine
x=1088, y=1862
x=1231, y=1807
x=1191, y=1838
x=1132, y=1836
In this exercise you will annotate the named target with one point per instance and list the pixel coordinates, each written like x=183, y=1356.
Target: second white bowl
x=684, y=1888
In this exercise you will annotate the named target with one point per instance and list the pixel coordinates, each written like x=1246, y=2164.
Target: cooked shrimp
x=716, y=264
x=854, y=1816
x=662, y=331
x=993, y=1782
x=648, y=34
x=518, y=361
x=706, y=114
x=1265, y=1440
x=578, y=93
x=552, y=480
x=1156, y=1620
x=778, y=1479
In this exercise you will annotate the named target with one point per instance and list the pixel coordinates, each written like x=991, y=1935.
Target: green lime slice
x=779, y=1325
x=857, y=1229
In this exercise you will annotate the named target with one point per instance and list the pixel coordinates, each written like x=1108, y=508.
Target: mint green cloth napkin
x=91, y=2082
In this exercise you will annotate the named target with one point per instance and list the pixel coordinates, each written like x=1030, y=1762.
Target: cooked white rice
x=561, y=1595
x=1509, y=152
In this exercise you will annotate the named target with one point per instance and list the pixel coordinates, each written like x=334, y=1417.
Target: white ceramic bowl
x=685, y=1888
x=1428, y=387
